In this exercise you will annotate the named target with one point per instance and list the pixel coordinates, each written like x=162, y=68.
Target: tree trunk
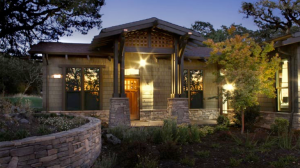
x=243, y=122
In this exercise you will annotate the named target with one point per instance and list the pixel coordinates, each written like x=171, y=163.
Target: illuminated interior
x=282, y=87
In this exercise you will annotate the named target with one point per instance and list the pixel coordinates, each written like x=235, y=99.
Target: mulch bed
x=222, y=149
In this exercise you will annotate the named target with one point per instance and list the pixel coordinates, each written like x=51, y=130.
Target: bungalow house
x=145, y=70
x=151, y=70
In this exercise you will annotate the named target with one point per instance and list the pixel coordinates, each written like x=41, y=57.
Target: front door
x=132, y=90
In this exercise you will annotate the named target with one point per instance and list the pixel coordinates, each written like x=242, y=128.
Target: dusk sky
x=180, y=12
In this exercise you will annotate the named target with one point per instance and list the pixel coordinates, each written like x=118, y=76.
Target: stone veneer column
x=178, y=108
x=119, y=113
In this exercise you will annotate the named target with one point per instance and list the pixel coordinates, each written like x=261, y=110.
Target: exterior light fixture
x=190, y=33
x=125, y=30
x=228, y=87
x=57, y=76
x=142, y=62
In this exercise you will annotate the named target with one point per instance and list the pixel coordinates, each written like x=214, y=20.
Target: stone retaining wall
x=78, y=147
x=204, y=114
x=268, y=118
x=153, y=114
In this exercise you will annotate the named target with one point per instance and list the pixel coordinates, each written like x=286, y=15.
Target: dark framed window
x=82, y=88
x=282, y=87
x=193, y=87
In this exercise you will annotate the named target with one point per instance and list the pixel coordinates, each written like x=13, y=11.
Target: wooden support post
x=176, y=67
x=115, y=93
x=182, y=46
x=122, y=65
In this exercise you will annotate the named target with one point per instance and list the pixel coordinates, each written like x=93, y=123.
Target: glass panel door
x=91, y=88
x=73, y=88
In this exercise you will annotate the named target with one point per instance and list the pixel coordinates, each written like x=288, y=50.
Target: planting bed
x=225, y=148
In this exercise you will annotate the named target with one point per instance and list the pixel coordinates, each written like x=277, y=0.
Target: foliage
x=284, y=161
x=107, y=162
x=169, y=150
x=147, y=162
x=135, y=134
x=247, y=66
x=280, y=126
x=204, y=153
x=43, y=130
x=194, y=134
x=169, y=131
x=207, y=30
x=206, y=130
x=10, y=135
x=265, y=14
x=221, y=128
x=132, y=153
x=183, y=134
x=234, y=162
x=188, y=161
x=24, y=23
x=252, y=115
x=223, y=120
x=215, y=145
x=19, y=76
x=62, y=123
x=118, y=131
x=251, y=157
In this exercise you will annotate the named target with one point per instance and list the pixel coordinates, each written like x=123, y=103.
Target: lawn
x=36, y=102
x=198, y=146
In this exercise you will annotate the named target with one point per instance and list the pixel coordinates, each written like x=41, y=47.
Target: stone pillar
x=179, y=108
x=119, y=113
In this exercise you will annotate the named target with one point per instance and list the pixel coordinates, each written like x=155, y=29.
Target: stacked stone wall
x=153, y=114
x=204, y=114
x=119, y=112
x=178, y=108
x=268, y=118
x=78, y=147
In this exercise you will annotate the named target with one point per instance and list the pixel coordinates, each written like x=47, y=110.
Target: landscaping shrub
x=183, y=134
x=221, y=128
x=169, y=150
x=251, y=117
x=223, y=120
x=234, y=162
x=107, y=161
x=117, y=131
x=188, y=161
x=147, y=162
x=195, y=134
x=280, y=126
x=284, y=161
x=206, y=130
x=132, y=151
x=204, y=153
x=169, y=131
x=135, y=134
x=43, y=130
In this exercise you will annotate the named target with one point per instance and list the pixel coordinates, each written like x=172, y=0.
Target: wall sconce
x=142, y=63
x=228, y=87
x=57, y=76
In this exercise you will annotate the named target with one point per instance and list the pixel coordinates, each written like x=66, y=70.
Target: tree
x=265, y=14
x=247, y=66
x=207, y=30
x=19, y=75
x=25, y=22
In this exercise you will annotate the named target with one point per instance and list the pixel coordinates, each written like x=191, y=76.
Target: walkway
x=138, y=123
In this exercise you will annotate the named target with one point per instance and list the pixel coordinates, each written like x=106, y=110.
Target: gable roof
x=62, y=48
x=148, y=23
